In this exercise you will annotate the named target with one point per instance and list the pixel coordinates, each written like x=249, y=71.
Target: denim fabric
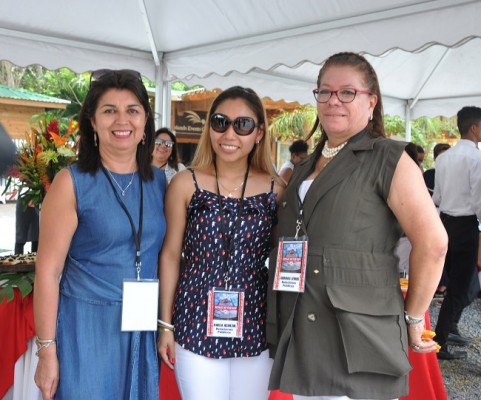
x=97, y=360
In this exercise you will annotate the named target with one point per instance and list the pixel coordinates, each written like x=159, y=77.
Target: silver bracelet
x=412, y=320
x=43, y=344
x=163, y=323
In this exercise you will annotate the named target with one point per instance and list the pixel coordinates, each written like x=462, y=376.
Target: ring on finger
x=415, y=347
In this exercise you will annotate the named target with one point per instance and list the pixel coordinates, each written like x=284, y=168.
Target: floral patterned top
x=204, y=261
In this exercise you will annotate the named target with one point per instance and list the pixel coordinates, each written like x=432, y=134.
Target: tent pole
x=158, y=109
x=166, y=104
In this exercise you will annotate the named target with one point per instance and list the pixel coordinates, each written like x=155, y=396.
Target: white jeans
x=204, y=378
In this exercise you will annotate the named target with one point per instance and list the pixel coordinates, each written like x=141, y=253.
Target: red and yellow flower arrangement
x=43, y=154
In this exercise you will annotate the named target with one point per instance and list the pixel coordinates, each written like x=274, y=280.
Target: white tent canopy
x=427, y=53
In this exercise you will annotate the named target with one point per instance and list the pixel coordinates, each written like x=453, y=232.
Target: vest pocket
x=374, y=339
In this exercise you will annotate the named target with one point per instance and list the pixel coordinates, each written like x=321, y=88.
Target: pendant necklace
x=122, y=190
x=231, y=192
x=330, y=152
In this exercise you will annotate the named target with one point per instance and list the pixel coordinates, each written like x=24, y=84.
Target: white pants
x=204, y=378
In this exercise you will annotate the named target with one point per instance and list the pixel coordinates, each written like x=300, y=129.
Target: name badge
x=225, y=313
x=290, y=273
x=140, y=301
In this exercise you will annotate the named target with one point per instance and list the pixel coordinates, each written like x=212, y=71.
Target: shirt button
x=316, y=271
x=311, y=317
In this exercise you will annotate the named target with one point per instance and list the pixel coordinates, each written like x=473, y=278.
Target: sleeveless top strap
x=194, y=178
x=272, y=185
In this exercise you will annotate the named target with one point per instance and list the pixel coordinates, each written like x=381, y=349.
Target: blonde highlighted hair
x=260, y=156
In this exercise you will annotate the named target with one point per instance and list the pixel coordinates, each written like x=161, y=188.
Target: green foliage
x=62, y=83
x=182, y=87
x=22, y=280
x=292, y=125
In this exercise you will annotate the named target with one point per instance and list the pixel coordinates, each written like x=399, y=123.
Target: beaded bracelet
x=43, y=344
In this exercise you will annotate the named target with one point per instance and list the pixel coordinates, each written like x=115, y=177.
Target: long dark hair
x=173, y=160
x=375, y=127
x=89, y=156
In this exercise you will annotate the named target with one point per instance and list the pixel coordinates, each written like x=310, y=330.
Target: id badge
x=290, y=274
x=140, y=301
x=225, y=313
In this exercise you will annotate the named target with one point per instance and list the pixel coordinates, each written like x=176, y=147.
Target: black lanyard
x=137, y=235
x=300, y=217
x=229, y=243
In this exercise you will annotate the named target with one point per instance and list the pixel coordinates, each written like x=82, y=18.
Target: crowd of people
x=141, y=258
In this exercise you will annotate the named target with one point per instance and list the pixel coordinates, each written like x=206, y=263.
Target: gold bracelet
x=162, y=330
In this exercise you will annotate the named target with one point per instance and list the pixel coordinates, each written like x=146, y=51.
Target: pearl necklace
x=124, y=190
x=231, y=192
x=330, y=152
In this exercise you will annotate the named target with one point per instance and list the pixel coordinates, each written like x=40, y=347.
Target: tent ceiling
x=425, y=52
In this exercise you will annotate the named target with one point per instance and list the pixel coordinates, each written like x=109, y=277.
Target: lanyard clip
x=298, y=227
x=137, y=267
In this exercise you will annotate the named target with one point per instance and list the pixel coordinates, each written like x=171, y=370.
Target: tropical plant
x=43, y=154
x=292, y=125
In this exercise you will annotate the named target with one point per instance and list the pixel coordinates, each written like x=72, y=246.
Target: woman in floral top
x=220, y=215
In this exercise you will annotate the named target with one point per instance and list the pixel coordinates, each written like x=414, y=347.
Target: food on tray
x=16, y=259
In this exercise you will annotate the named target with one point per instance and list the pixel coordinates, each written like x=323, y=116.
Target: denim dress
x=97, y=360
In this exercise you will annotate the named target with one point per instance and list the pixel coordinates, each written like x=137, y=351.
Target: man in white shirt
x=457, y=192
x=298, y=150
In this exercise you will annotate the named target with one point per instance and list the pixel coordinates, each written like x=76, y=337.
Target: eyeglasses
x=167, y=143
x=344, y=95
x=243, y=126
x=102, y=73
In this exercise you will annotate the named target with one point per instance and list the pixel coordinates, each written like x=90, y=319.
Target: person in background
x=8, y=151
x=346, y=335
x=165, y=154
x=26, y=226
x=430, y=173
x=298, y=150
x=429, y=176
x=420, y=151
x=220, y=217
x=102, y=229
x=412, y=151
x=457, y=192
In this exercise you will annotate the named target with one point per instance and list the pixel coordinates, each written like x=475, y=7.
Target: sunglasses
x=167, y=143
x=102, y=73
x=243, y=126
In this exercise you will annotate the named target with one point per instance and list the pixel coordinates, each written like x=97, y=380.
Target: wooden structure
x=17, y=106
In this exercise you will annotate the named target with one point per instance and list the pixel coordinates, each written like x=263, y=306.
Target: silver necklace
x=330, y=152
x=124, y=190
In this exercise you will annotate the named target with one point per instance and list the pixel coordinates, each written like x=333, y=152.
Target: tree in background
x=426, y=132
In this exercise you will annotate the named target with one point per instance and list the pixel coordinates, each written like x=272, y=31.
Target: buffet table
x=17, y=359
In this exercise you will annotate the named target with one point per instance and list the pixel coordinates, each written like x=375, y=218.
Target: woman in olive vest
x=337, y=321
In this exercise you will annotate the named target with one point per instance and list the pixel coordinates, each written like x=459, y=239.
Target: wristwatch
x=411, y=320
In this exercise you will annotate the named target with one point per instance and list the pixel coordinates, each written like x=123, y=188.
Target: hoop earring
x=95, y=139
x=143, y=139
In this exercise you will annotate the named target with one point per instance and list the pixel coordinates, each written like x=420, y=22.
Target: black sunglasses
x=102, y=73
x=243, y=126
